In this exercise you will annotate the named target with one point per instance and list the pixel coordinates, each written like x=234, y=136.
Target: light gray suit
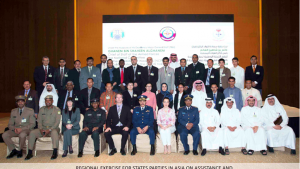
x=169, y=78
x=84, y=75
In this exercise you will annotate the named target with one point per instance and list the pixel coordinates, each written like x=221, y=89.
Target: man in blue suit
x=90, y=71
x=142, y=120
x=188, y=118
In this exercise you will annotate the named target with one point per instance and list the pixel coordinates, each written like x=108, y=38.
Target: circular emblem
x=117, y=34
x=167, y=34
x=218, y=34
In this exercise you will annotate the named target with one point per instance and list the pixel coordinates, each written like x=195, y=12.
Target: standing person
x=111, y=75
x=21, y=122
x=182, y=75
x=166, y=75
x=238, y=73
x=48, y=90
x=174, y=61
x=93, y=122
x=252, y=121
x=250, y=91
x=65, y=94
x=87, y=94
x=224, y=75
x=151, y=101
x=90, y=71
x=217, y=97
x=199, y=95
x=31, y=97
x=118, y=122
x=234, y=92
x=255, y=73
x=150, y=75
x=102, y=66
x=70, y=125
x=197, y=71
x=122, y=73
x=166, y=124
x=135, y=74
x=164, y=93
x=130, y=97
x=107, y=98
x=61, y=75
x=74, y=75
x=43, y=75
x=179, y=100
x=212, y=76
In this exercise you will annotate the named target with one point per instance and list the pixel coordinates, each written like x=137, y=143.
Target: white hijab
x=46, y=93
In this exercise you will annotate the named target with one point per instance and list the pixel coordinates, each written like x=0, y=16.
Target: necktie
x=20, y=112
x=67, y=99
x=46, y=72
x=26, y=94
x=149, y=73
x=61, y=76
x=90, y=70
x=134, y=72
x=165, y=71
x=253, y=68
x=187, y=108
x=215, y=100
x=142, y=108
x=78, y=71
x=207, y=79
x=122, y=76
x=119, y=111
x=89, y=95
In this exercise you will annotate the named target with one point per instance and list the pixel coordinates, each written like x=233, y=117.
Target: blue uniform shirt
x=142, y=118
x=188, y=116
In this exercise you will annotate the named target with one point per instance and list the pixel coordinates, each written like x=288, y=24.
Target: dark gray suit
x=94, y=74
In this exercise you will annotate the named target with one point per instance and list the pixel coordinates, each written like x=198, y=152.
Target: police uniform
x=48, y=119
x=142, y=117
x=92, y=119
x=188, y=115
x=19, y=118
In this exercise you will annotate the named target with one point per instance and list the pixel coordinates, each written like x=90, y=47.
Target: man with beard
x=48, y=90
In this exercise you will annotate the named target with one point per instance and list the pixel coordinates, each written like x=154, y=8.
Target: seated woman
x=164, y=93
x=166, y=124
x=70, y=125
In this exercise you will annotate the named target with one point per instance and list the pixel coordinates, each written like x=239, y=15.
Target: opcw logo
x=167, y=34
x=117, y=34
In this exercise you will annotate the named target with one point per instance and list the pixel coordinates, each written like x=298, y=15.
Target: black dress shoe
x=71, y=150
x=152, y=152
x=293, y=152
x=12, y=154
x=112, y=152
x=271, y=150
x=97, y=153
x=186, y=152
x=221, y=151
x=203, y=152
x=123, y=152
x=80, y=154
x=65, y=153
x=195, y=152
x=54, y=156
x=20, y=154
x=134, y=151
x=28, y=157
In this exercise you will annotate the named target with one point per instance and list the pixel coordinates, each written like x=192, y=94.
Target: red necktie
x=122, y=75
x=46, y=73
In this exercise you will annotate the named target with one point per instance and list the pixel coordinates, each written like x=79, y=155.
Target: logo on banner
x=167, y=34
x=218, y=34
x=117, y=34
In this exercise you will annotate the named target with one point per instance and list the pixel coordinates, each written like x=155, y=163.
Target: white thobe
x=199, y=99
x=210, y=140
x=253, y=92
x=239, y=74
x=251, y=117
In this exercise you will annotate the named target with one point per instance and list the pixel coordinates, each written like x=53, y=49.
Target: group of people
x=210, y=103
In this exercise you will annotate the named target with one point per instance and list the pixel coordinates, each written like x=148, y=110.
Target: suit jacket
x=84, y=75
x=182, y=78
x=219, y=100
x=182, y=103
x=138, y=75
x=125, y=76
x=83, y=100
x=169, y=79
x=39, y=77
x=74, y=77
x=75, y=119
x=116, y=78
x=57, y=80
x=257, y=76
x=62, y=96
x=129, y=101
x=99, y=66
x=225, y=75
x=32, y=100
x=197, y=73
x=113, y=118
x=153, y=78
x=214, y=77
x=16, y=121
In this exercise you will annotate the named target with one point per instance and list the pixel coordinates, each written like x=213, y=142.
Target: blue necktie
x=215, y=101
x=207, y=79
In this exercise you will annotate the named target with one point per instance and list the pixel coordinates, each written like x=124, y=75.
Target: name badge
x=254, y=115
x=107, y=97
x=137, y=112
x=139, y=73
x=223, y=75
x=134, y=95
x=231, y=95
x=76, y=99
x=183, y=112
x=212, y=76
x=186, y=75
x=89, y=114
x=197, y=72
x=98, y=114
x=233, y=74
x=151, y=74
x=220, y=102
x=258, y=73
x=23, y=121
x=50, y=75
x=66, y=75
x=30, y=98
x=94, y=75
x=169, y=74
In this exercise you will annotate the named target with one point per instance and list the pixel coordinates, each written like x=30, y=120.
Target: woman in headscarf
x=199, y=94
x=164, y=93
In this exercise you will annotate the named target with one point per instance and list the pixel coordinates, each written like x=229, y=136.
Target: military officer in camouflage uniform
x=93, y=122
x=21, y=122
x=48, y=125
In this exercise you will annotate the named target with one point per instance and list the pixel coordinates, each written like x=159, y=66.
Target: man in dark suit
x=32, y=100
x=122, y=74
x=197, y=71
x=135, y=74
x=217, y=97
x=74, y=75
x=111, y=74
x=182, y=75
x=61, y=75
x=118, y=122
x=65, y=94
x=87, y=94
x=150, y=75
x=212, y=76
x=130, y=96
x=43, y=75
x=102, y=66
x=255, y=73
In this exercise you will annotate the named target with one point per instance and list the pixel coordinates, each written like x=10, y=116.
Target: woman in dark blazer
x=70, y=125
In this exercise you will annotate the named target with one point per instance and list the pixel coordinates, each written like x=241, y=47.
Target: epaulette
x=194, y=106
x=182, y=107
x=14, y=109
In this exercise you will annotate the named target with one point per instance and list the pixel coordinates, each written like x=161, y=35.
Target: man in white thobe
x=252, y=121
x=278, y=135
x=209, y=125
x=238, y=73
x=234, y=135
x=199, y=94
x=48, y=90
x=250, y=91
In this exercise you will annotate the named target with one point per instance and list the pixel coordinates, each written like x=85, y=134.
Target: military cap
x=188, y=96
x=20, y=97
x=94, y=100
x=49, y=97
x=142, y=97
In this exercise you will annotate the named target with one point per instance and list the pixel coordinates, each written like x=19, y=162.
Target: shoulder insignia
x=182, y=107
x=58, y=112
x=194, y=106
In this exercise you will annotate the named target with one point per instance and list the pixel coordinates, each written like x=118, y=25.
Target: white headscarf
x=46, y=93
x=230, y=117
x=209, y=117
x=225, y=107
x=199, y=96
